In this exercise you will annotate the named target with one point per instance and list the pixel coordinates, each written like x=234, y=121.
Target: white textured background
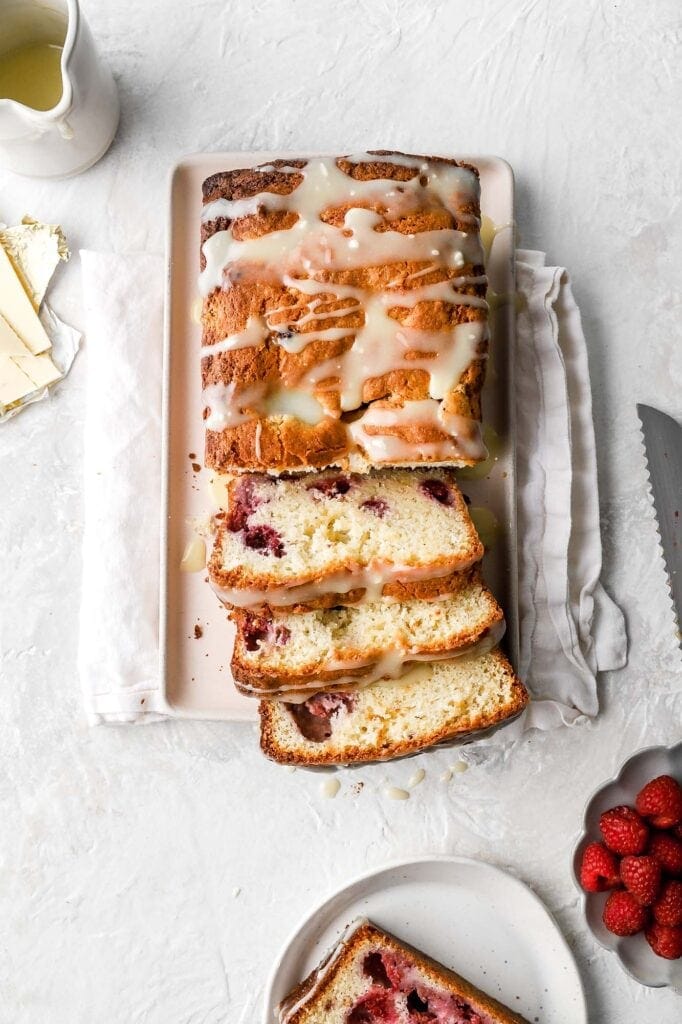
x=121, y=848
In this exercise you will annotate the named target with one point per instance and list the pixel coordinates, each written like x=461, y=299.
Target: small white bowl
x=634, y=952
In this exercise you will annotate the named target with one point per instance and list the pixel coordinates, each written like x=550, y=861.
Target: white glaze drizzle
x=254, y=334
x=395, y=793
x=312, y=244
x=328, y=248
x=390, y=665
x=463, y=435
x=293, y=402
x=371, y=579
x=256, y=440
x=228, y=407
x=194, y=556
x=383, y=344
x=329, y=788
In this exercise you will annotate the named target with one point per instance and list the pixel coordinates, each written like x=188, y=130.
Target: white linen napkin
x=570, y=629
x=118, y=651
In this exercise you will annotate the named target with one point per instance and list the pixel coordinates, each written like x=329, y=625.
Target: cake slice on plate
x=432, y=703
x=276, y=653
x=327, y=539
x=371, y=977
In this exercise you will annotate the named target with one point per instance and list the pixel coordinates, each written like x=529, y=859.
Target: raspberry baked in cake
x=344, y=318
x=324, y=539
x=371, y=977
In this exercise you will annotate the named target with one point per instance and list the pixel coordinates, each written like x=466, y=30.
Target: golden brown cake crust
x=278, y=443
x=367, y=934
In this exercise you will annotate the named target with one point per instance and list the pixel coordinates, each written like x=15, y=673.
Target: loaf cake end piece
x=344, y=319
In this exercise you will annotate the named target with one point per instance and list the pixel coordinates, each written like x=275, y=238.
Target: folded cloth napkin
x=570, y=629
x=118, y=654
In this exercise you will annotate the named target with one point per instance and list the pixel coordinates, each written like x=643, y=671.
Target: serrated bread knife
x=663, y=444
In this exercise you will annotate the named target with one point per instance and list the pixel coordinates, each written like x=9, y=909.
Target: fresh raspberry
x=668, y=907
x=623, y=915
x=664, y=941
x=668, y=852
x=661, y=800
x=599, y=869
x=624, y=831
x=642, y=877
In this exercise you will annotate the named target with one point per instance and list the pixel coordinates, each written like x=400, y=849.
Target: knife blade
x=663, y=446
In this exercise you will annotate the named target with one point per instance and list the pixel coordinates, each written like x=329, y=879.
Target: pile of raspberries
x=640, y=859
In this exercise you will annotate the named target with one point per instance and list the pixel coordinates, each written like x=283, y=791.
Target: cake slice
x=430, y=704
x=320, y=540
x=371, y=977
x=344, y=320
x=282, y=652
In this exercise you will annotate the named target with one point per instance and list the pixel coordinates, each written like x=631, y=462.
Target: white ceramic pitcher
x=75, y=133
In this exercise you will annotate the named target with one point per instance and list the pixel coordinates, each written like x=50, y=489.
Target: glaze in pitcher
x=74, y=133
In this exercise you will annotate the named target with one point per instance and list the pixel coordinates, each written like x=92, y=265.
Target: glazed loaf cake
x=275, y=654
x=327, y=539
x=344, y=318
x=430, y=704
x=370, y=977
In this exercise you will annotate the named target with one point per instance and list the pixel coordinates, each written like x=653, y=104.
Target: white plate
x=471, y=916
x=196, y=670
x=633, y=952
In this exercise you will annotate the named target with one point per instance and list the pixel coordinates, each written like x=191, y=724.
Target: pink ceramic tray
x=196, y=661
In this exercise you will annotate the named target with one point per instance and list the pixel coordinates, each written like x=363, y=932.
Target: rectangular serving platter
x=195, y=633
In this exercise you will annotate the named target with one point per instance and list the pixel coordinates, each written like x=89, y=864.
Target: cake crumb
x=192, y=456
x=196, y=467
x=358, y=787
x=236, y=891
x=198, y=632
